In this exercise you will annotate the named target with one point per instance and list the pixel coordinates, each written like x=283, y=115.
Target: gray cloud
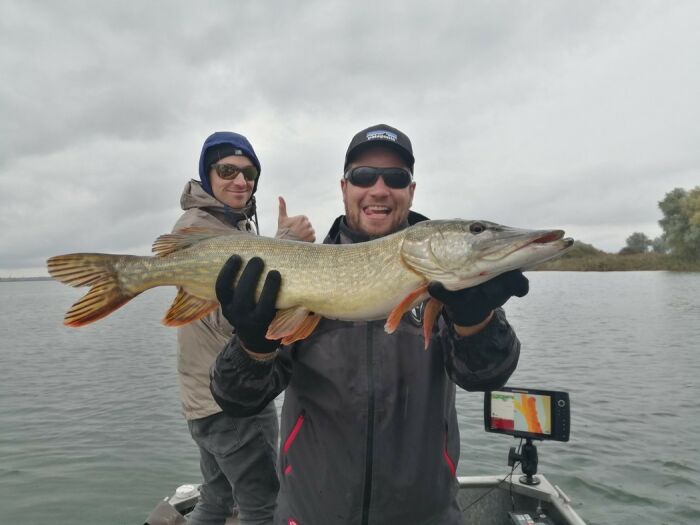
x=576, y=115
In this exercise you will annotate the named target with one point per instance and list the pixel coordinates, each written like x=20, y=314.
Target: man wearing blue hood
x=237, y=455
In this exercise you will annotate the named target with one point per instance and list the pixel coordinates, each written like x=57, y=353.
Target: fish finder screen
x=517, y=412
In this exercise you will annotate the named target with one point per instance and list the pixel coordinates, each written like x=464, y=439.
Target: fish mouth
x=546, y=237
x=550, y=236
x=553, y=236
x=539, y=238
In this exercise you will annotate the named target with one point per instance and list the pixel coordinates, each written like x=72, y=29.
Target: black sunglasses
x=366, y=176
x=231, y=171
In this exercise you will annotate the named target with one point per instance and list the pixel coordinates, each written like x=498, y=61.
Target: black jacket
x=369, y=427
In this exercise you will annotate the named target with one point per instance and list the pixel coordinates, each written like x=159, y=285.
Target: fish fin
x=432, y=310
x=304, y=330
x=90, y=269
x=417, y=295
x=287, y=322
x=184, y=238
x=187, y=308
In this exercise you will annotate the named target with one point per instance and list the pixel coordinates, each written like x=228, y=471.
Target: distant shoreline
x=15, y=279
x=581, y=258
x=605, y=262
x=595, y=265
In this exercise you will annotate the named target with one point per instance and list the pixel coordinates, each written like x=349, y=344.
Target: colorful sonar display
x=521, y=412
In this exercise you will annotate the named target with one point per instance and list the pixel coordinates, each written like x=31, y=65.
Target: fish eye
x=476, y=228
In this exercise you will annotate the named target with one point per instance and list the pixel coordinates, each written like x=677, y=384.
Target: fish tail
x=100, y=273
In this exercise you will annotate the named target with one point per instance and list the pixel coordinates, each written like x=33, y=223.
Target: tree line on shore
x=677, y=248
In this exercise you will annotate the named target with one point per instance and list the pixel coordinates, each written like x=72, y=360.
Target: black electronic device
x=527, y=413
x=530, y=518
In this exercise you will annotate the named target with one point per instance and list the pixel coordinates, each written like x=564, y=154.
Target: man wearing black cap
x=237, y=455
x=369, y=426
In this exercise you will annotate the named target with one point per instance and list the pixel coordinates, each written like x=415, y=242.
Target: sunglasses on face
x=366, y=177
x=231, y=171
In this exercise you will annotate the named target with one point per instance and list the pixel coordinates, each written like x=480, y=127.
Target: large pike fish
x=378, y=279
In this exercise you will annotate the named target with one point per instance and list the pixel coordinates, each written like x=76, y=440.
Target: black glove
x=471, y=306
x=250, y=320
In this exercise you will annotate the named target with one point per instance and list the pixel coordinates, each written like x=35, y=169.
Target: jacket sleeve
x=242, y=386
x=483, y=361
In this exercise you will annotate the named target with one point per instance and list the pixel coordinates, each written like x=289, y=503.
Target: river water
x=91, y=429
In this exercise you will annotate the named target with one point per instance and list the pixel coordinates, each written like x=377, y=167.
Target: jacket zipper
x=450, y=464
x=290, y=439
x=366, y=500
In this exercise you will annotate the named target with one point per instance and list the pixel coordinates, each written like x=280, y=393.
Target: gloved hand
x=250, y=320
x=471, y=306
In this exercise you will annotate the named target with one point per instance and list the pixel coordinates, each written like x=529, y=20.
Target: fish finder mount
x=528, y=462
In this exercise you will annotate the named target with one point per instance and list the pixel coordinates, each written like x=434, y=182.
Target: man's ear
x=343, y=187
x=411, y=190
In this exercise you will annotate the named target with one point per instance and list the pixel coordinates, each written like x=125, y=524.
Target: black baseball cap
x=382, y=135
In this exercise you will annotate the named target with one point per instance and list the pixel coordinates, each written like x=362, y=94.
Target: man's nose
x=239, y=179
x=379, y=187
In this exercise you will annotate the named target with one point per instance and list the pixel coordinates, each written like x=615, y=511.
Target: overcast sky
x=576, y=115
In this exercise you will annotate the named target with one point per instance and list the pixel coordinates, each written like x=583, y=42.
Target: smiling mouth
x=376, y=211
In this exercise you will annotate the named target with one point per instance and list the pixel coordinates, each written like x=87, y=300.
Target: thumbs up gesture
x=297, y=228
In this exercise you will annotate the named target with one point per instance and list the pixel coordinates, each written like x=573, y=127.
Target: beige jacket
x=201, y=341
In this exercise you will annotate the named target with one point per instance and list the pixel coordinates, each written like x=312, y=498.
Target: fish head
x=460, y=253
